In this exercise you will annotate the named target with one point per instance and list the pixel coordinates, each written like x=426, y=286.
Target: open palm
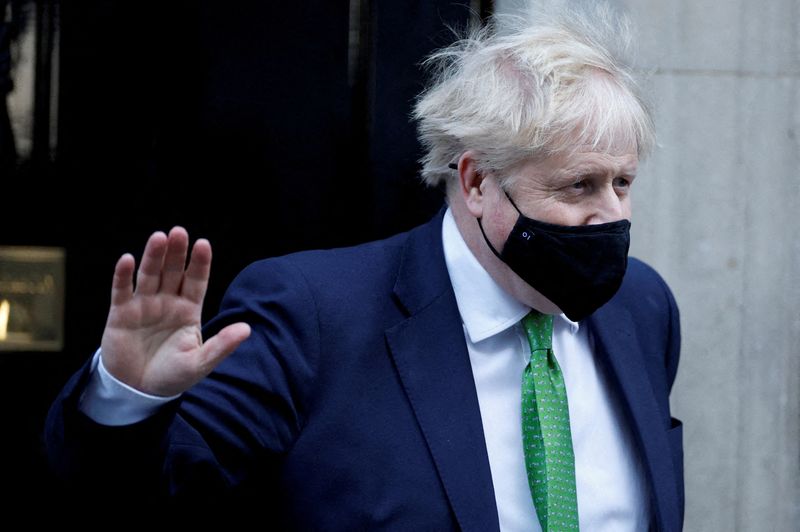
x=152, y=340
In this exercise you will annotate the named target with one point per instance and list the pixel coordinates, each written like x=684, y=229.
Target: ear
x=469, y=183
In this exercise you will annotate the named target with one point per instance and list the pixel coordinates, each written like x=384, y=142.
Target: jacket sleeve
x=231, y=430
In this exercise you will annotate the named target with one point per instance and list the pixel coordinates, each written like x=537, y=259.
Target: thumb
x=222, y=344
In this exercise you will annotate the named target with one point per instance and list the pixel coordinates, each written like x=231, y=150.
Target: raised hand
x=152, y=341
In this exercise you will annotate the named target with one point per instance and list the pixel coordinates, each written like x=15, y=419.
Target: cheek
x=500, y=223
x=561, y=214
x=593, y=210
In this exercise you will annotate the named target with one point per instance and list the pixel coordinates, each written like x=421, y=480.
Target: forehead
x=579, y=162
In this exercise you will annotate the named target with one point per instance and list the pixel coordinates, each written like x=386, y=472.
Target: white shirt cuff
x=109, y=401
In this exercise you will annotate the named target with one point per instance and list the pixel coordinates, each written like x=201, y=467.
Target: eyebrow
x=587, y=169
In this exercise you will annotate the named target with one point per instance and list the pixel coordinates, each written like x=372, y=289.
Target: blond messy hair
x=531, y=85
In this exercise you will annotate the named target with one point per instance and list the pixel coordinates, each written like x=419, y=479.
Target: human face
x=581, y=187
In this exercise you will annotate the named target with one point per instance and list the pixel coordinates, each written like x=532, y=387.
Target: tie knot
x=539, y=328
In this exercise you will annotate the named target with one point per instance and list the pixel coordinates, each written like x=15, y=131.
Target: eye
x=579, y=185
x=622, y=182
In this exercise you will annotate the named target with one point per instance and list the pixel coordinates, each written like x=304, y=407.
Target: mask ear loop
x=512, y=203
x=496, y=254
x=454, y=166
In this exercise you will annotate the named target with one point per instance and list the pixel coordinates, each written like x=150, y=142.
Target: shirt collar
x=486, y=309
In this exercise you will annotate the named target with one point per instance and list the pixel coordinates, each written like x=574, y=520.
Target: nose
x=608, y=206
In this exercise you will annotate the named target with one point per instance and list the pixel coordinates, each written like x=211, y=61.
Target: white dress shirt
x=609, y=479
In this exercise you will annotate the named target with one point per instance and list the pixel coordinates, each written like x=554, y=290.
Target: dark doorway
x=266, y=127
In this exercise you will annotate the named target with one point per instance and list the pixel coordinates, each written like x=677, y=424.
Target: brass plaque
x=31, y=298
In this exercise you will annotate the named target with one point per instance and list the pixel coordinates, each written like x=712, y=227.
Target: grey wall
x=715, y=211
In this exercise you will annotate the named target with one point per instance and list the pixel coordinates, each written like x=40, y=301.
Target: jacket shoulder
x=643, y=288
x=332, y=270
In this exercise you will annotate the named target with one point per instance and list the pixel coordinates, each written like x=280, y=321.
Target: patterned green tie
x=545, y=431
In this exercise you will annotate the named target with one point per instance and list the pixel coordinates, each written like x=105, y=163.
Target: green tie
x=545, y=431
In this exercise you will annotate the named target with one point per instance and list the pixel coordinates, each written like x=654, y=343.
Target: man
x=421, y=382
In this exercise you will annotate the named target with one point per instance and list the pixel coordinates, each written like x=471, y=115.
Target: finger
x=222, y=344
x=195, y=280
x=122, y=284
x=175, y=260
x=149, y=277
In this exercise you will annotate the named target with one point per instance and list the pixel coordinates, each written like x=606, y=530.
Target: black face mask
x=579, y=268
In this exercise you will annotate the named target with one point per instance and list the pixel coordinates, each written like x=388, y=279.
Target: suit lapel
x=431, y=358
x=616, y=345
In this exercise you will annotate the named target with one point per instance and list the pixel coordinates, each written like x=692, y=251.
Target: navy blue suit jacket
x=352, y=405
